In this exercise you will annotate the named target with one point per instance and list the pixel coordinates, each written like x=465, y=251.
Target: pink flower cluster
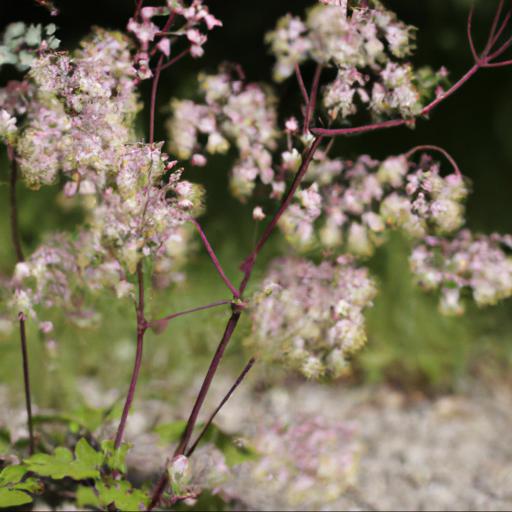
x=474, y=266
x=196, y=20
x=81, y=115
x=234, y=114
x=351, y=205
x=367, y=50
x=310, y=317
x=305, y=463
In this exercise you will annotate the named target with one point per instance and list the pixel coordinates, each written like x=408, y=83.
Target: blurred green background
x=410, y=344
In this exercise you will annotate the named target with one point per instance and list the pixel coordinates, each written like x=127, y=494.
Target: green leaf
x=115, y=459
x=13, y=492
x=12, y=498
x=5, y=441
x=31, y=485
x=12, y=475
x=86, y=497
x=84, y=417
x=86, y=454
x=171, y=432
x=235, y=451
x=120, y=493
x=61, y=464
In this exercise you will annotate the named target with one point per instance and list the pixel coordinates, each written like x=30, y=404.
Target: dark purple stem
x=185, y=438
x=310, y=109
x=439, y=150
x=154, y=90
x=230, y=328
x=302, y=86
x=178, y=57
x=193, y=310
x=223, y=402
x=336, y=132
x=214, y=259
x=26, y=381
x=248, y=264
x=16, y=242
x=141, y=330
x=494, y=26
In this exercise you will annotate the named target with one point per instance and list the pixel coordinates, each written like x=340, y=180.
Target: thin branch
x=237, y=383
x=502, y=28
x=439, y=150
x=178, y=57
x=499, y=64
x=500, y=51
x=26, y=381
x=16, y=242
x=470, y=36
x=248, y=264
x=214, y=259
x=154, y=90
x=336, y=132
x=141, y=330
x=161, y=323
x=310, y=109
x=302, y=86
x=494, y=26
x=232, y=323
x=187, y=434
x=138, y=8
x=185, y=438
x=15, y=229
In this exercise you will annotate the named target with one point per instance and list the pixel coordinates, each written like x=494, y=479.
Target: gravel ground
x=454, y=453
x=450, y=453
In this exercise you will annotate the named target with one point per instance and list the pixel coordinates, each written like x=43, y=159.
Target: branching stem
x=18, y=250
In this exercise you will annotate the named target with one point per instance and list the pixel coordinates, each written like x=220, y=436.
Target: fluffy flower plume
x=478, y=266
x=358, y=202
x=367, y=50
x=303, y=461
x=311, y=317
x=233, y=114
x=82, y=113
x=140, y=215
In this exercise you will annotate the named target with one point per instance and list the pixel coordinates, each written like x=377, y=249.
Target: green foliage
x=83, y=418
x=234, y=450
x=15, y=489
x=171, y=432
x=115, y=459
x=85, y=464
x=5, y=441
x=121, y=494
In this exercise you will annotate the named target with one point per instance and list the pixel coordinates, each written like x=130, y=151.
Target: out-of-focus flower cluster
x=233, y=114
x=307, y=462
x=21, y=44
x=352, y=205
x=367, y=49
x=307, y=454
x=196, y=21
x=479, y=266
x=310, y=317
